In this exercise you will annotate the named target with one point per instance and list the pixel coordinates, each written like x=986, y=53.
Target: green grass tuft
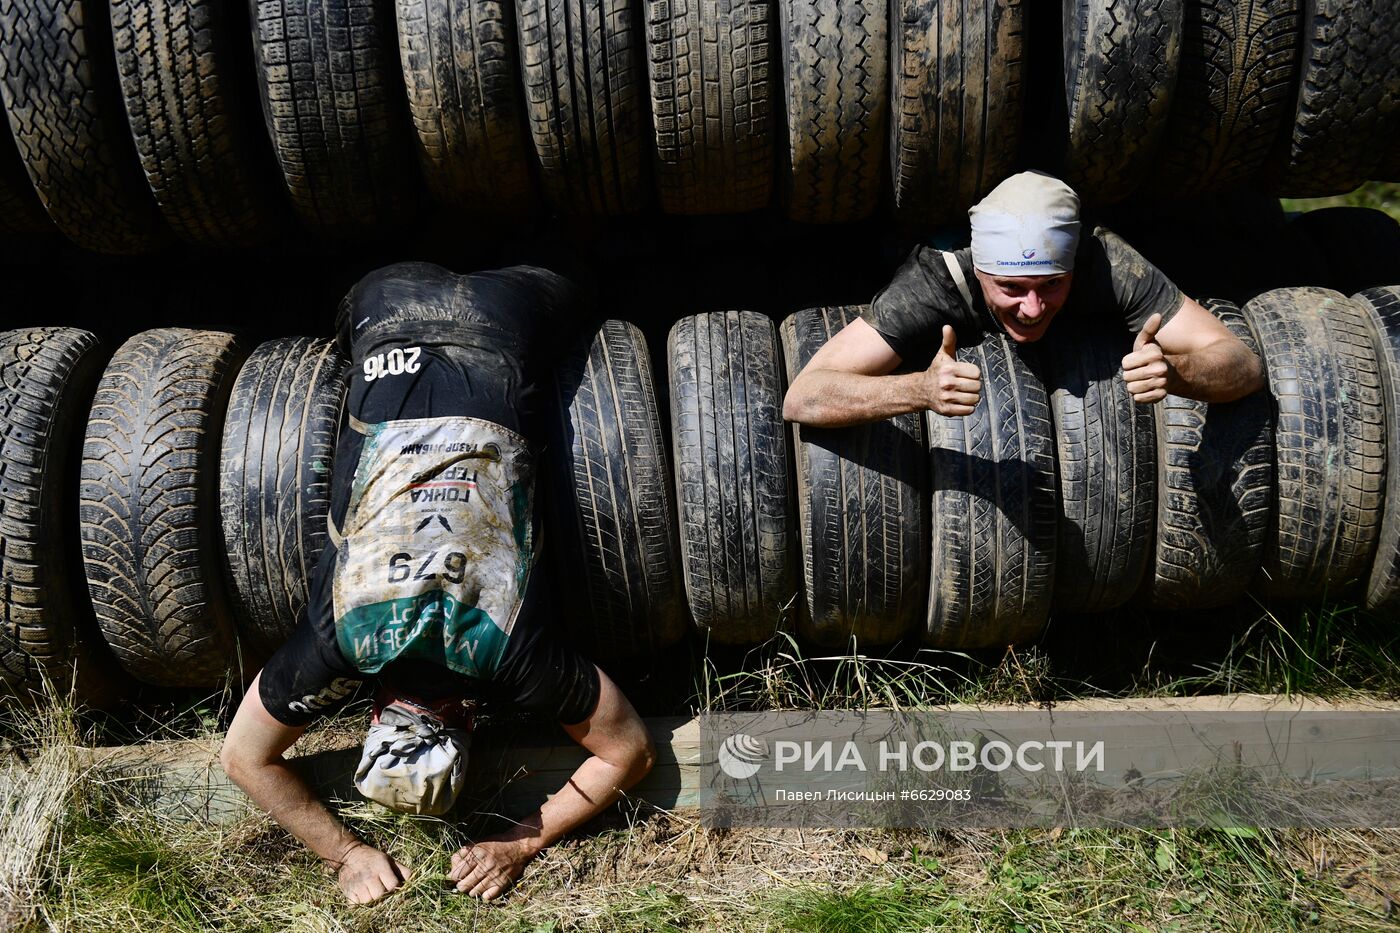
x=130, y=868
x=1333, y=650
x=1383, y=196
x=883, y=908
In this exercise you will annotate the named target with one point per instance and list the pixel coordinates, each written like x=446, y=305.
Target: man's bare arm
x=1193, y=356
x=252, y=758
x=848, y=381
x=622, y=754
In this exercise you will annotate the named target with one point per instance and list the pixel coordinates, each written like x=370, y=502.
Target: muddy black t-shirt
x=425, y=343
x=1110, y=279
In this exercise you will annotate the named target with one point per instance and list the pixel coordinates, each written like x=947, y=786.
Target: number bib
x=437, y=545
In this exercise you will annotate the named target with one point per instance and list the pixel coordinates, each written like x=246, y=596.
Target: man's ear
x=985, y=282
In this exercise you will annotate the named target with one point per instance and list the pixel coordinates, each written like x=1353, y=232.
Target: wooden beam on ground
x=513, y=769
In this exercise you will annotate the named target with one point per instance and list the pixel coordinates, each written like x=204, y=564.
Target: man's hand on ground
x=366, y=874
x=488, y=869
x=1145, y=369
x=953, y=387
x=621, y=754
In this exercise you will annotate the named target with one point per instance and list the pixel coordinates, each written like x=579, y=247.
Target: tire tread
x=148, y=506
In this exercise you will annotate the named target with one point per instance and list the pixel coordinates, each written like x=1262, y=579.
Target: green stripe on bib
x=431, y=626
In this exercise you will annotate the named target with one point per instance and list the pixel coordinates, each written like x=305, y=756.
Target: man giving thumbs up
x=1145, y=369
x=954, y=387
x=1026, y=265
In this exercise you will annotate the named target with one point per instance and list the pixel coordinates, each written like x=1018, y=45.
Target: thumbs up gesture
x=953, y=387
x=1145, y=369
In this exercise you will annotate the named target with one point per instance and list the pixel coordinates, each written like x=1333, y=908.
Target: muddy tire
x=193, y=116
x=586, y=100
x=737, y=524
x=1234, y=95
x=835, y=60
x=993, y=538
x=1215, y=491
x=148, y=506
x=1107, y=455
x=459, y=66
x=958, y=73
x=1348, y=109
x=1120, y=67
x=333, y=100
x=66, y=113
x=47, y=378
x=1382, y=309
x=614, y=533
x=711, y=77
x=1329, y=437
x=1360, y=245
x=861, y=500
x=275, y=482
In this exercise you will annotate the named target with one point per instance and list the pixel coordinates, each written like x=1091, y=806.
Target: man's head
x=1024, y=237
x=415, y=756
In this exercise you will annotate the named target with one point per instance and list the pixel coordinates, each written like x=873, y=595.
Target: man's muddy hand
x=366, y=874
x=1145, y=369
x=953, y=387
x=488, y=869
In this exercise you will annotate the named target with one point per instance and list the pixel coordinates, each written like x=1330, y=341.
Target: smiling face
x=1024, y=304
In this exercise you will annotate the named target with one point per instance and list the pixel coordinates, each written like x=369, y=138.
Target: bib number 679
x=403, y=565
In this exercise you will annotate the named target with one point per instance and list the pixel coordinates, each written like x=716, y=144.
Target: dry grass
x=37, y=775
x=652, y=871
x=115, y=865
x=80, y=855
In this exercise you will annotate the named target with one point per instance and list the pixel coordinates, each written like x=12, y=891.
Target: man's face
x=1024, y=304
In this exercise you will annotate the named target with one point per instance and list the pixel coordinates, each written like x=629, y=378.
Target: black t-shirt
x=1110, y=278
x=425, y=343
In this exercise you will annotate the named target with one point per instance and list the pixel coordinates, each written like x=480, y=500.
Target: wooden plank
x=515, y=768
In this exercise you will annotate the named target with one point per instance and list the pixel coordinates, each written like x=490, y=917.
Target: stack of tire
x=1061, y=495
x=195, y=504
x=1058, y=494
x=132, y=120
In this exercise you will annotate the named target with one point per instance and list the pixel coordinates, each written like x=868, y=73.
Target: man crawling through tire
x=1026, y=264
x=430, y=584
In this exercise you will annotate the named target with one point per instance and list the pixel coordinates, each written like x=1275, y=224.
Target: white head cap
x=413, y=761
x=1027, y=225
